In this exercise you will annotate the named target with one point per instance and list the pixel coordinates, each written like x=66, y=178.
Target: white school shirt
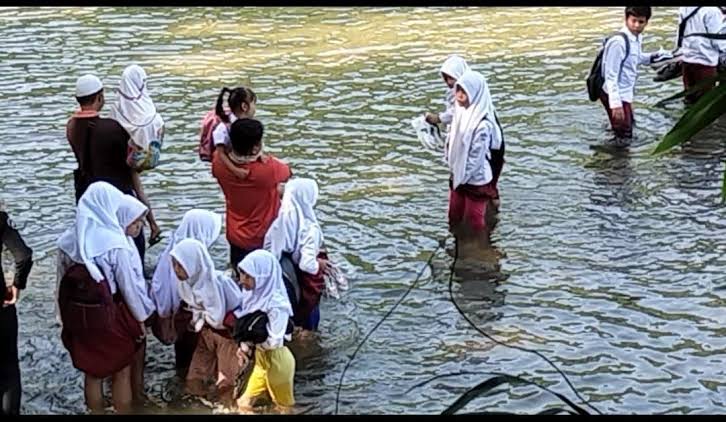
x=276, y=328
x=121, y=275
x=220, y=135
x=478, y=171
x=620, y=86
x=306, y=257
x=700, y=50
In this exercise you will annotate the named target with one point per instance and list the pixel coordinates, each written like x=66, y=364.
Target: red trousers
x=624, y=128
x=468, y=204
x=694, y=73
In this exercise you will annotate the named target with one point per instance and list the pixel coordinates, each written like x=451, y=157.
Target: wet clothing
x=693, y=74
x=215, y=359
x=469, y=204
x=10, y=387
x=624, y=128
x=273, y=373
x=620, y=85
x=252, y=203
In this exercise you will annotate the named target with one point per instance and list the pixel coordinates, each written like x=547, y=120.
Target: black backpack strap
x=682, y=27
x=85, y=168
x=627, y=52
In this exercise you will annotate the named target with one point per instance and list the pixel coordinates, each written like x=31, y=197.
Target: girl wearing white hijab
x=296, y=231
x=135, y=111
x=98, y=251
x=454, y=66
x=214, y=300
x=264, y=290
x=170, y=327
x=475, y=153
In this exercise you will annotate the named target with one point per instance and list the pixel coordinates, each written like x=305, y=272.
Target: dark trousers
x=693, y=73
x=624, y=128
x=10, y=391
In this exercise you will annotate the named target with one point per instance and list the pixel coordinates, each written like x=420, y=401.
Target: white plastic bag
x=429, y=135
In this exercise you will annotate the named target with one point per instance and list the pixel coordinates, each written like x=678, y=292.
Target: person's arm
x=478, y=149
x=276, y=328
x=240, y=173
x=309, y=251
x=715, y=24
x=21, y=252
x=612, y=59
x=131, y=283
x=281, y=170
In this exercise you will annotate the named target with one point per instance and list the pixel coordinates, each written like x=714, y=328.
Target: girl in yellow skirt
x=264, y=291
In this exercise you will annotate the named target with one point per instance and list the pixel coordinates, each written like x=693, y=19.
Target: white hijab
x=135, y=110
x=209, y=293
x=467, y=121
x=269, y=292
x=102, y=216
x=204, y=226
x=454, y=66
x=295, y=218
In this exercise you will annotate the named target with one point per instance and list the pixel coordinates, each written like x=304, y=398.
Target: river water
x=612, y=261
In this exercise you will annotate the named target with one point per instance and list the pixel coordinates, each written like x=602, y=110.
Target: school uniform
x=296, y=231
x=619, y=87
x=99, y=266
x=171, y=325
x=220, y=135
x=274, y=369
x=10, y=387
x=214, y=301
x=475, y=154
x=700, y=55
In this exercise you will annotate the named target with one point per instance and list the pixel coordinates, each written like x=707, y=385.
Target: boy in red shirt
x=251, y=203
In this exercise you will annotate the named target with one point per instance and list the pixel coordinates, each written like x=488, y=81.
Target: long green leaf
x=706, y=110
x=700, y=85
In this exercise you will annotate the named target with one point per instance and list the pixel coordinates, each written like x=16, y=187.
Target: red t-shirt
x=252, y=204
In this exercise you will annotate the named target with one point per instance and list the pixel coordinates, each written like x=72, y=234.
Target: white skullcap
x=87, y=85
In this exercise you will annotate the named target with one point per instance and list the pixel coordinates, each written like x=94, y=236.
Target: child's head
x=180, y=272
x=454, y=66
x=246, y=136
x=636, y=18
x=242, y=102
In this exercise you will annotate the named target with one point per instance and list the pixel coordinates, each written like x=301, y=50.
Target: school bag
x=206, y=142
x=595, y=80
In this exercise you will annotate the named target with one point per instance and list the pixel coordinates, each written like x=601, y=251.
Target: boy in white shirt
x=621, y=72
x=700, y=54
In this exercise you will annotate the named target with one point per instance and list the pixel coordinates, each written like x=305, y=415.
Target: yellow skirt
x=273, y=373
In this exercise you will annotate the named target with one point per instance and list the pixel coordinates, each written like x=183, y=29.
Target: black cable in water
x=342, y=376
x=451, y=295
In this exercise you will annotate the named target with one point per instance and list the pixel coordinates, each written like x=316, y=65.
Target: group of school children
x=697, y=40
x=222, y=325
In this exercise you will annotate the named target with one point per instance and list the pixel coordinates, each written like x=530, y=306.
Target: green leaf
x=704, y=112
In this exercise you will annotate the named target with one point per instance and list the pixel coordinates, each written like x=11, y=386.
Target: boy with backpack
x=616, y=70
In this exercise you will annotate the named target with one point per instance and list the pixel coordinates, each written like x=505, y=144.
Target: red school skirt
x=99, y=331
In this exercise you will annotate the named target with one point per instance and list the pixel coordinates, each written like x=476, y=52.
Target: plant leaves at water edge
x=700, y=85
x=704, y=112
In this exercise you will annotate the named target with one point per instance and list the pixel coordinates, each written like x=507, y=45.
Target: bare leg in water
x=93, y=391
x=137, y=376
x=120, y=392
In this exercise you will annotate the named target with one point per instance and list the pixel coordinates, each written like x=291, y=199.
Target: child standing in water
x=264, y=290
x=242, y=103
x=621, y=72
x=215, y=302
x=475, y=154
x=452, y=69
x=296, y=231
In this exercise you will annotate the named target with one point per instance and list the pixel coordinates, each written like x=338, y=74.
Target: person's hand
x=155, y=230
x=241, y=173
x=618, y=114
x=324, y=264
x=12, y=297
x=432, y=118
x=242, y=357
